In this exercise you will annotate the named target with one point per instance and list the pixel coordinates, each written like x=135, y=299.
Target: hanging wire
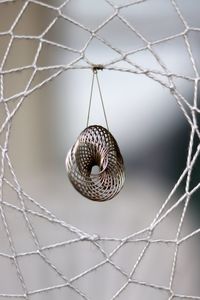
x=91, y=92
x=101, y=97
x=102, y=102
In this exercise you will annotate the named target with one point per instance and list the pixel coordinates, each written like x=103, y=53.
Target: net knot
x=4, y=151
x=94, y=237
x=97, y=67
x=87, y=237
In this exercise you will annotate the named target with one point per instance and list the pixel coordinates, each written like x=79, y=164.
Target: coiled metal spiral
x=96, y=146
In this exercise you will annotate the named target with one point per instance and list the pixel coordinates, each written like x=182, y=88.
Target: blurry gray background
x=145, y=119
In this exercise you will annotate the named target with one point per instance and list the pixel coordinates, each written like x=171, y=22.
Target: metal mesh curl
x=96, y=146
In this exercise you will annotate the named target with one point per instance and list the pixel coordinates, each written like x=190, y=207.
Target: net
x=20, y=276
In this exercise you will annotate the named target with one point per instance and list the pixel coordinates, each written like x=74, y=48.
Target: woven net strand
x=28, y=207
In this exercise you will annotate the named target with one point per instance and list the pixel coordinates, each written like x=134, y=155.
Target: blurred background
x=144, y=117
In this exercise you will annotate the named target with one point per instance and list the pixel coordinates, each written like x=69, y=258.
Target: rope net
x=20, y=266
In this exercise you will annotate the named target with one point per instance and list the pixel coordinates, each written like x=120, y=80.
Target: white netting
x=19, y=265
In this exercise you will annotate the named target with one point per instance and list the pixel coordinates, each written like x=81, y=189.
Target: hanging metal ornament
x=96, y=146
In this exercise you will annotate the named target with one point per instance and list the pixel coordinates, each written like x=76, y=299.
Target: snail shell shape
x=96, y=146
